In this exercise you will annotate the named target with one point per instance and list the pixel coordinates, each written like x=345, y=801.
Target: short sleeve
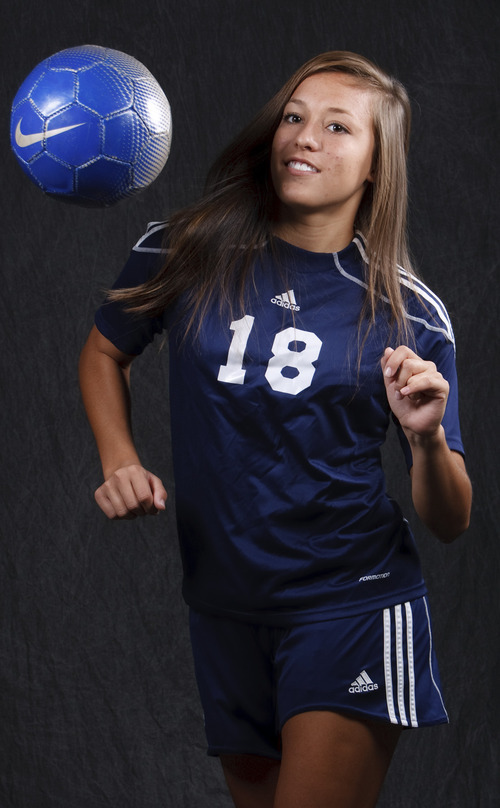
x=129, y=332
x=435, y=342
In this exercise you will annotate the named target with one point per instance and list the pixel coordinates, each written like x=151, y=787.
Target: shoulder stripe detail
x=360, y=244
x=348, y=275
x=427, y=294
x=420, y=289
x=153, y=227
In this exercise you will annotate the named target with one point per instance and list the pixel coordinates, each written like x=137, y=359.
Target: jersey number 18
x=293, y=349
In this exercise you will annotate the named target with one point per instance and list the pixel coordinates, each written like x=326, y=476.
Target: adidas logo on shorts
x=363, y=684
x=286, y=301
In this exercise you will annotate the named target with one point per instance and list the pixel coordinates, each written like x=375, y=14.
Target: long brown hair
x=212, y=244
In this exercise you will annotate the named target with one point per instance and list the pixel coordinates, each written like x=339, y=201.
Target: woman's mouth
x=298, y=165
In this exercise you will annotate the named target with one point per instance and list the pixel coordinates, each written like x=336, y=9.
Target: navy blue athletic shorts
x=253, y=678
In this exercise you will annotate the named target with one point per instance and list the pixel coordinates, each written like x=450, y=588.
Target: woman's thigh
x=331, y=760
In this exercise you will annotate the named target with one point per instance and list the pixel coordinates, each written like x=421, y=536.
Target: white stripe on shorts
x=411, y=667
x=394, y=652
x=430, y=656
x=388, y=667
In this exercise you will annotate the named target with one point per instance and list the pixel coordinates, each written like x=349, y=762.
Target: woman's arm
x=417, y=394
x=129, y=489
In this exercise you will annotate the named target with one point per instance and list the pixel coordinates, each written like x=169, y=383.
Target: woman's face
x=322, y=151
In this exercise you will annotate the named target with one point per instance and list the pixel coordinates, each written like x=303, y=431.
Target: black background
x=98, y=707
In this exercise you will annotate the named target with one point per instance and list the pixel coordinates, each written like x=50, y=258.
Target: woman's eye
x=291, y=117
x=336, y=127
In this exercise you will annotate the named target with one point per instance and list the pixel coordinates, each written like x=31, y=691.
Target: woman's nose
x=308, y=137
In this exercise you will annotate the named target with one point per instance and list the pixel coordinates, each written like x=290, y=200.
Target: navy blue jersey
x=282, y=511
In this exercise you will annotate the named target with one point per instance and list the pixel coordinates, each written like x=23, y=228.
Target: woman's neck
x=315, y=235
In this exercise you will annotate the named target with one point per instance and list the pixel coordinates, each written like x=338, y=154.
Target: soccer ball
x=91, y=125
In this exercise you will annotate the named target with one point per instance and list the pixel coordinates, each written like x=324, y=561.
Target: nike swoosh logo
x=28, y=140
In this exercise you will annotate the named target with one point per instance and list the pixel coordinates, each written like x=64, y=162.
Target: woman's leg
x=333, y=761
x=251, y=779
x=329, y=761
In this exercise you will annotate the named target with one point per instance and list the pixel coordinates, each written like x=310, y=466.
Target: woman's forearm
x=441, y=489
x=104, y=382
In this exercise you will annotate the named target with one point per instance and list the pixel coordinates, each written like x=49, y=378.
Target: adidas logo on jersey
x=286, y=301
x=363, y=684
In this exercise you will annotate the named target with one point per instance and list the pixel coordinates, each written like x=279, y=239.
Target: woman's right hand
x=129, y=492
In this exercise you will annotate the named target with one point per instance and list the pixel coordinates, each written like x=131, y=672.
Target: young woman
x=296, y=330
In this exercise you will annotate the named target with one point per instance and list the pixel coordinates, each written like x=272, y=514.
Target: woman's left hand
x=416, y=391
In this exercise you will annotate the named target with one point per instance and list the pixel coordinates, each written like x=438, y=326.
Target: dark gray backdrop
x=98, y=707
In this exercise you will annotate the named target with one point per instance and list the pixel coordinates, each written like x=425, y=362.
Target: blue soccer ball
x=91, y=125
